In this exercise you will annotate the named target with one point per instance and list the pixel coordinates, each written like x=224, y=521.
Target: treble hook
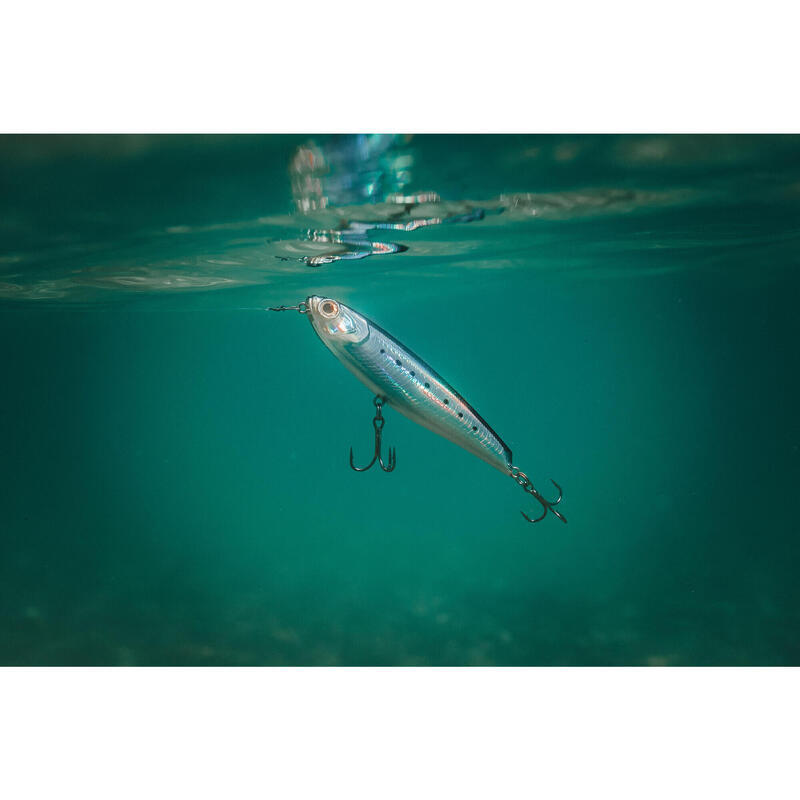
x=377, y=423
x=549, y=505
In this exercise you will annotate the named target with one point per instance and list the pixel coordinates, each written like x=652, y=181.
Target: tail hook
x=377, y=423
x=547, y=505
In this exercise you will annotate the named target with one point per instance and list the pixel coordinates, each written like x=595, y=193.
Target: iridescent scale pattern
x=412, y=388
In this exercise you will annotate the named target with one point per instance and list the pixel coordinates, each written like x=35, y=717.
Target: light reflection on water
x=347, y=193
x=259, y=252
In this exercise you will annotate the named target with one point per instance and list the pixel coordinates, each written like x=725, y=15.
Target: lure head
x=334, y=322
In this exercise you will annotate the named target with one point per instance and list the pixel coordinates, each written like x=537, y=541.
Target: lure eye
x=328, y=308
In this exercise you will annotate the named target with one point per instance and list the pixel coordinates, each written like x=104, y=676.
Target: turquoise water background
x=174, y=479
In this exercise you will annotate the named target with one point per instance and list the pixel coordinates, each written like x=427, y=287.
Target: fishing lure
x=403, y=381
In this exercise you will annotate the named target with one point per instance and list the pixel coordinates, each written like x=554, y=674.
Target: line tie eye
x=427, y=386
x=460, y=415
x=446, y=402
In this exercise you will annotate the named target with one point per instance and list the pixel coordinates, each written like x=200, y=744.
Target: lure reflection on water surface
x=400, y=379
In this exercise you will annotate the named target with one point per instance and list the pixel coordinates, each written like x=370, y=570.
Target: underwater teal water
x=174, y=478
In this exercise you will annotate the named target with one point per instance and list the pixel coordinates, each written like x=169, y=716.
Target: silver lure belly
x=413, y=389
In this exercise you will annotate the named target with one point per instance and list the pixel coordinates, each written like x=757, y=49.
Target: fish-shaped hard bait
x=402, y=380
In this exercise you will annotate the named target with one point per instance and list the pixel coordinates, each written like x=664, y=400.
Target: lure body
x=390, y=370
